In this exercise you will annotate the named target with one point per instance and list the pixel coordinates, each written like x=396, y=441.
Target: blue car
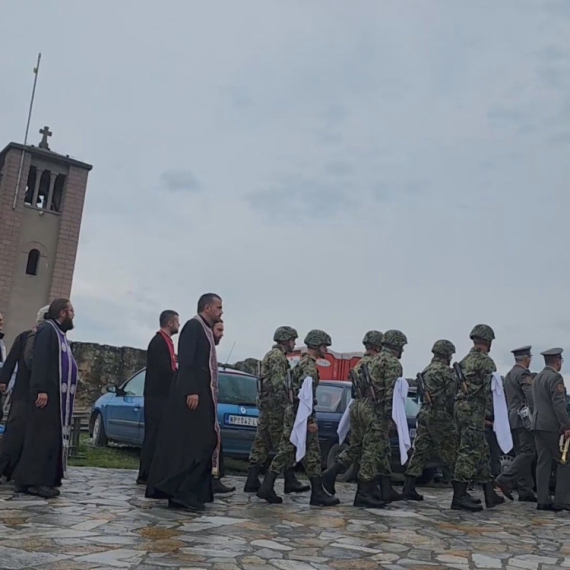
x=118, y=415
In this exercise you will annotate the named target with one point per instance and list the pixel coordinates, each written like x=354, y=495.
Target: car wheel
x=506, y=461
x=98, y=435
x=350, y=473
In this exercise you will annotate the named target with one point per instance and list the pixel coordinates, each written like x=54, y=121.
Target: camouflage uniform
x=385, y=369
x=473, y=458
x=285, y=457
x=353, y=452
x=317, y=342
x=272, y=402
x=436, y=433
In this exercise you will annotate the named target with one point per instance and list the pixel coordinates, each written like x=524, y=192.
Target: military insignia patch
x=560, y=388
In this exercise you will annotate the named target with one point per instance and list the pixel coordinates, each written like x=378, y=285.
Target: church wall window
x=33, y=262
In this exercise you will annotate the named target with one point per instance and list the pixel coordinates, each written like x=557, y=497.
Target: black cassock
x=158, y=380
x=181, y=468
x=41, y=460
x=12, y=441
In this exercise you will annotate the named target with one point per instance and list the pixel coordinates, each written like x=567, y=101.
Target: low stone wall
x=100, y=365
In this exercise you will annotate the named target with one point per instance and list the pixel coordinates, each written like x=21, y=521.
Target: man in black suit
x=160, y=369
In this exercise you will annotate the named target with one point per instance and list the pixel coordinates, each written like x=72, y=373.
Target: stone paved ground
x=102, y=521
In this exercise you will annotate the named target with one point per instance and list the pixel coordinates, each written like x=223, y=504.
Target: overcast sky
x=325, y=164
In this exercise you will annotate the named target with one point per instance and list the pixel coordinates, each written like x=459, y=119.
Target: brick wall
x=72, y=212
x=10, y=220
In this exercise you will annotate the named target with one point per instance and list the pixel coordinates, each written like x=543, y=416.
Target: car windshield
x=329, y=398
x=237, y=389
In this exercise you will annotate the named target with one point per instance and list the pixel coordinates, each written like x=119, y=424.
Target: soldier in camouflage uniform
x=385, y=369
x=373, y=344
x=272, y=402
x=317, y=342
x=473, y=457
x=436, y=429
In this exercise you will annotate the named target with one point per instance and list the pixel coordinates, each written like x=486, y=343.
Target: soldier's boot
x=476, y=500
x=378, y=489
x=292, y=484
x=389, y=494
x=409, y=489
x=319, y=497
x=329, y=477
x=491, y=498
x=252, y=483
x=267, y=491
x=461, y=500
x=365, y=496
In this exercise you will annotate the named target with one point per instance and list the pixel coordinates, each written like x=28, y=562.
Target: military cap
x=283, y=334
x=552, y=352
x=445, y=347
x=395, y=338
x=522, y=351
x=373, y=337
x=316, y=338
x=484, y=332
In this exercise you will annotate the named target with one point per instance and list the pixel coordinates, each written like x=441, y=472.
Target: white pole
x=19, y=179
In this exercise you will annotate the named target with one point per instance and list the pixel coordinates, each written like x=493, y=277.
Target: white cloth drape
x=501, y=425
x=344, y=424
x=299, y=433
x=400, y=418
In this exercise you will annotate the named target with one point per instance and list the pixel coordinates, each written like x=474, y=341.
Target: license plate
x=413, y=432
x=241, y=421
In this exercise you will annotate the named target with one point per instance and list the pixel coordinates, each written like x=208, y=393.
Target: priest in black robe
x=160, y=368
x=187, y=452
x=19, y=360
x=52, y=390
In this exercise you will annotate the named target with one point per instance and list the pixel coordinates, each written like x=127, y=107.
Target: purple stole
x=214, y=387
x=67, y=388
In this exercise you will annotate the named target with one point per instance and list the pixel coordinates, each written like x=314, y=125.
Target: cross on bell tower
x=45, y=132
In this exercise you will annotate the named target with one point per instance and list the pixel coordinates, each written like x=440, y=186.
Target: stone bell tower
x=39, y=229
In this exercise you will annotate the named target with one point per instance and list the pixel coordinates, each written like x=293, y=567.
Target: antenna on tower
x=21, y=168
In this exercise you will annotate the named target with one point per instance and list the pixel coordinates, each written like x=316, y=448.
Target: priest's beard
x=67, y=325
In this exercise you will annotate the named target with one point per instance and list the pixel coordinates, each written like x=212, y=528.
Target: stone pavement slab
x=102, y=520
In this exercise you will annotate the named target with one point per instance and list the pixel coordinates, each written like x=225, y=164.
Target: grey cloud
x=339, y=168
x=297, y=199
x=180, y=180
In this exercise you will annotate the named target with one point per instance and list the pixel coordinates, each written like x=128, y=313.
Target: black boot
x=292, y=485
x=409, y=490
x=461, y=500
x=267, y=492
x=219, y=488
x=319, y=497
x=491, y=498
x=389, y=494
x=365, y=496
x=45, y=492
x=329, y=477
x=252, y=484
x=472, y=498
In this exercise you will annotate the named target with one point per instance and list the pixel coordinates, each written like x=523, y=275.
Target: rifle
x=367, y=381
x=355, y=383
x=423, y=388
x=460, y=376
